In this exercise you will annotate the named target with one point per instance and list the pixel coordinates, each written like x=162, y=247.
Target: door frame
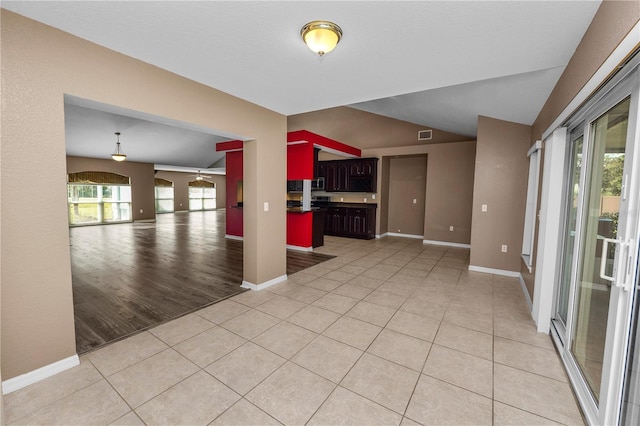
x=625, y=83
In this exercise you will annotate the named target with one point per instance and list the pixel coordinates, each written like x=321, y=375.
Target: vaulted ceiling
x=435, y=63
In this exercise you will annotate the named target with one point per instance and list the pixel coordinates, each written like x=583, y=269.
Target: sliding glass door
x=599, y=248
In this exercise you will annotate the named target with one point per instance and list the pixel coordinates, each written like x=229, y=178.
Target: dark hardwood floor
x=129, y=277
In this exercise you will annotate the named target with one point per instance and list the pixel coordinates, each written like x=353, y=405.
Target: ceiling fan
x=200, y=176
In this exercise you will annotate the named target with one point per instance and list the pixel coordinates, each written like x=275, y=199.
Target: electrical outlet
x=484, y=207
x=266, y=206
x=365, y=200
x=180, y=204
x=451, y=228
x=341, y=199
x=373, y=196
x=504, y=248
x=415, y=201
x=141, y=211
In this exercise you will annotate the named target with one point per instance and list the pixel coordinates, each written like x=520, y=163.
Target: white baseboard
x=494, y=271
x=234, y=237
x=299, y=248
x=266, y=284
x=19, y=382
x=397, y=234
x=446, y=243
x=526, y=293
x=381, y=235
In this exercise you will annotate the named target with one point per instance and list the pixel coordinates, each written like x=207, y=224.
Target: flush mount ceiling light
x=118, y=154
x=321, y=36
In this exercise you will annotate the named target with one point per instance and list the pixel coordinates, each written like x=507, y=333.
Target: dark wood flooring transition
x=129, y=277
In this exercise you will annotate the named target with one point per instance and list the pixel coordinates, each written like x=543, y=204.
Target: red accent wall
x=300, y=161
x=299, y=229
x=229, y=146
x=321, y=141
x=234, y=175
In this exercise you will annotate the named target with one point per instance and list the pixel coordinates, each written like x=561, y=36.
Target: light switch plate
x=266, y=206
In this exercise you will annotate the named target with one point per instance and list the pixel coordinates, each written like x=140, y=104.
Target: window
x=202, y=195
x=98, y=197
x=532, y=204
x=164, y=196
x=94, y=204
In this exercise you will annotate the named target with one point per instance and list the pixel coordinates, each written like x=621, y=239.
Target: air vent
x=424, y=135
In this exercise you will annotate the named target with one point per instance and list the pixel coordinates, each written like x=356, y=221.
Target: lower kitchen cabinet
x=352, y=221
x=336, y=221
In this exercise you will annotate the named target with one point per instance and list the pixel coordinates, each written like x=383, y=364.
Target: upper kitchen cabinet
x=363, y=175
x=353, y=175
x=363, y=167
x=336, y=175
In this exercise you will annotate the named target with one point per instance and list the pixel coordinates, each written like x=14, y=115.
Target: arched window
x=202, y=195
x=164, y=196
x=98, y=197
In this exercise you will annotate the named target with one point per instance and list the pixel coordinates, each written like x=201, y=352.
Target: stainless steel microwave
x=298, y=185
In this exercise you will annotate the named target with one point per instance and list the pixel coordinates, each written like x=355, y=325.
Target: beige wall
x=407, y=182
x=384, y=166
x=181, y=188
x=450, y=175
x=142, y=184
x=364, y=130
x=610, y=25
x=449, y=189
x=501, y=174
x=39, y=66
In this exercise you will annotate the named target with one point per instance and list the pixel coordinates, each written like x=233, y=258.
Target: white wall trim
x=526, y=292
x=398, y=234
x=446, y=243
x=610, y=64
x=493, y=271
x=550, y=228
x=382, y=235
x=299, y=248
x=19, y=382
x=266, y=284
x=234, y=237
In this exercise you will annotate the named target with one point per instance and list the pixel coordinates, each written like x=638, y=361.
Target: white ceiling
x=435, y=63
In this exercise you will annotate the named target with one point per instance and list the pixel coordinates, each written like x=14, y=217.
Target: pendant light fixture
x=321, y=36
x=118, y=154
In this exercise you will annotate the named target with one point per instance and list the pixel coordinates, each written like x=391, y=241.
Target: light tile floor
x=390, y=332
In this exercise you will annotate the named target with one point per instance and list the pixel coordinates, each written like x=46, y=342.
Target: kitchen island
x=305, y=228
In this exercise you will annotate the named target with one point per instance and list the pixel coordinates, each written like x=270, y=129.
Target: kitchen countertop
x=342, y=204
x=299, y=210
